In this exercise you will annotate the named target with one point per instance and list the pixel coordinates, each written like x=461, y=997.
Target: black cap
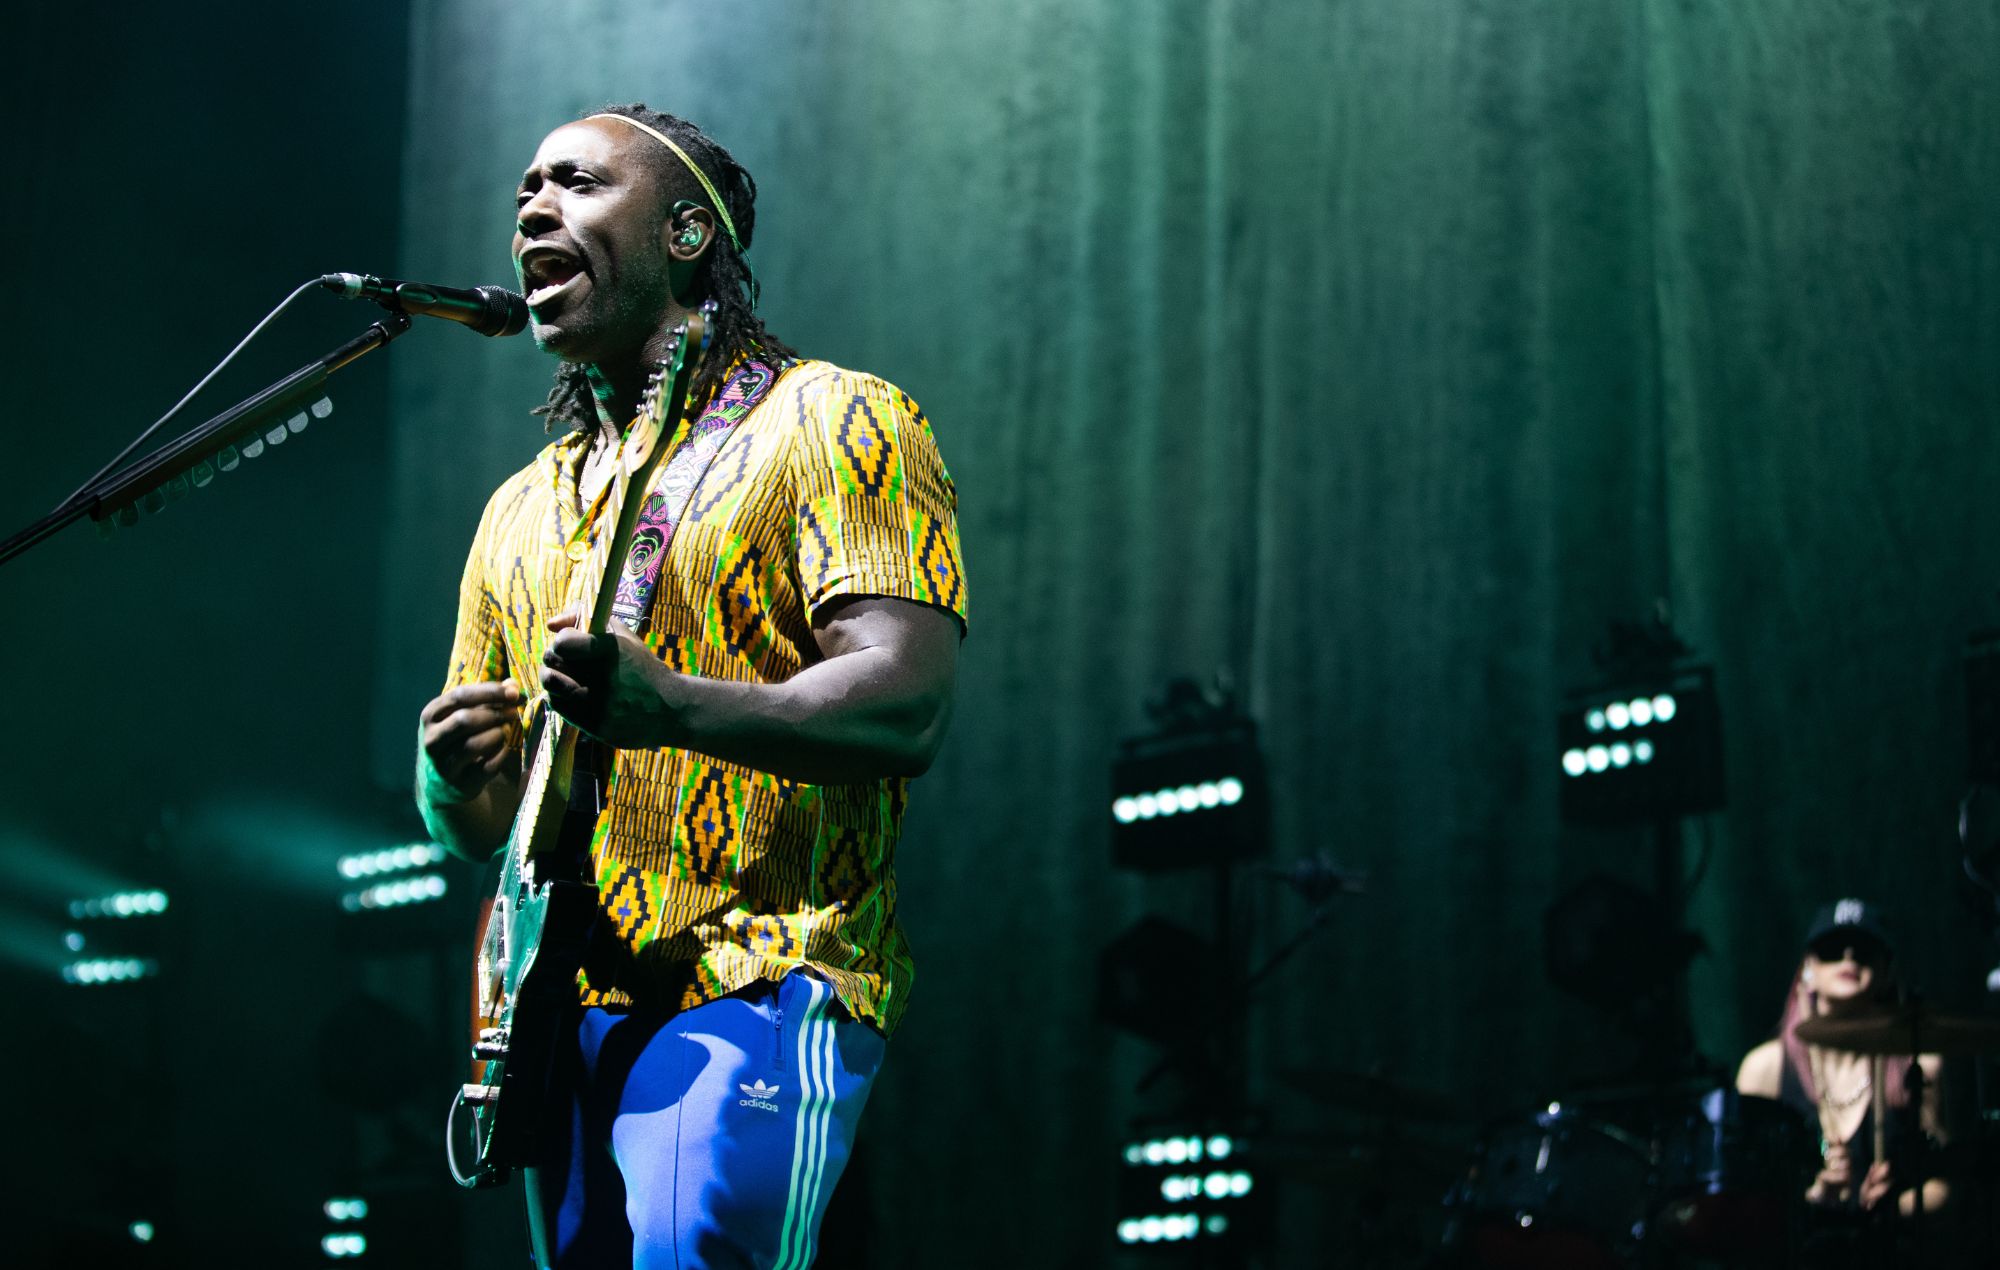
x=1856, y=917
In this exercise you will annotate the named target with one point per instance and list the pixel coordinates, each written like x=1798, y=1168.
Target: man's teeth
x=547, y=292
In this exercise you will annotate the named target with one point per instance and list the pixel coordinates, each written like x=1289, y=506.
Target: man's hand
x=468, y=735
x=605, y=684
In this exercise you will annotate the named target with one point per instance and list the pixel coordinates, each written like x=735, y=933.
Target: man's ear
x=689, y=231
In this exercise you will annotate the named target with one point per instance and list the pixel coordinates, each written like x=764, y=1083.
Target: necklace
x=1827, y=1101
x=1842, y=1104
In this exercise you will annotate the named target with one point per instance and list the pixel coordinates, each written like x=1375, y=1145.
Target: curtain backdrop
x=1375, y=352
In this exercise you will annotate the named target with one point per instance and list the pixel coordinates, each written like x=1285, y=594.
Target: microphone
x=487, y=310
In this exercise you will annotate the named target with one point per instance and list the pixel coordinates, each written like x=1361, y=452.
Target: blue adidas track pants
x=710, y=1139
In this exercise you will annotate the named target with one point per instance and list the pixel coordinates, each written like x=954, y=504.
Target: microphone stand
x=162, y=476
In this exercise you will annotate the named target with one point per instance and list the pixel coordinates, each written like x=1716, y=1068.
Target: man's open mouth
x=548, y=272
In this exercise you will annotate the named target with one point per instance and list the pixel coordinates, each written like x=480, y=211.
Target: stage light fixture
x=344, y=1244
x=1189, y=796
x=141, y=1232
x=1171, y=1190
x=415, y=889
x=120, y=904
x=1642, y=752
x=105, y=970
x=411, y=855
x=345, y=1209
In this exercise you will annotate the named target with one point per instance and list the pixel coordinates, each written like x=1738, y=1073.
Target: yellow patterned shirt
x=713, y=875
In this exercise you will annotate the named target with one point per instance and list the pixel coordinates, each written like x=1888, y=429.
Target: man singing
x=756, y=721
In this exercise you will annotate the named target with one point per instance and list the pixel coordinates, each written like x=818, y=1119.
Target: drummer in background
x=1848, y=972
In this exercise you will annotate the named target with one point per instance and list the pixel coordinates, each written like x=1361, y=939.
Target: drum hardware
x=1562, y=1191
x=1717, y=1178
x=1730, y=1173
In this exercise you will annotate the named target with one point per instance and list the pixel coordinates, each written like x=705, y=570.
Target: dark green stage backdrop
x=1378, y=352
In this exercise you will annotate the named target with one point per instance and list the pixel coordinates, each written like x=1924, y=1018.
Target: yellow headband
x=721, y=208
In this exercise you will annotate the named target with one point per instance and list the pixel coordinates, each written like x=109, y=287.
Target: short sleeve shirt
x=713, y=875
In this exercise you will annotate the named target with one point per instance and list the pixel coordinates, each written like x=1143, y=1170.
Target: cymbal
x=1369, y=1094
x=1904, y=1029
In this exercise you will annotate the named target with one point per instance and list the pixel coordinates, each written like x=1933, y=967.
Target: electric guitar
x=524, y=983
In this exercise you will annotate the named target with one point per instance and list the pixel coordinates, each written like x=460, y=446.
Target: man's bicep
x=919, y=640
x=893, y=664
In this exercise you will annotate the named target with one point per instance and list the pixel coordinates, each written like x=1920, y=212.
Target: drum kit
x=1679, y=1173
x=1594, y=1186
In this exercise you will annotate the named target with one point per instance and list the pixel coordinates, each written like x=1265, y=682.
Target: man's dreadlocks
x=723, y=277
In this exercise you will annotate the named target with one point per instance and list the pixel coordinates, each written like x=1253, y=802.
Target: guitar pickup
x=481, y=1095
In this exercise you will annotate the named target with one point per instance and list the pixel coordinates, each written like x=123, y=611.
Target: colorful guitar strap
x=673, y=491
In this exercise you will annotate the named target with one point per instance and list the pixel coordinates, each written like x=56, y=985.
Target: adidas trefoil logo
x=759, y=1095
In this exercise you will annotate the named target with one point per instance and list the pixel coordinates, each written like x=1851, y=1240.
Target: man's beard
x=611, y=323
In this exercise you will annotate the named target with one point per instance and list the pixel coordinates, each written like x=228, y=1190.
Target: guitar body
x=543, y=911
x=525, y=977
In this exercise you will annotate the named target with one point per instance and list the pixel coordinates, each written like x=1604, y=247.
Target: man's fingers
x=456, y=730
x=504, y=692
x=457, y=761
x=561, y=688
x=499, y=692
x=578, y=647
x=484, y=745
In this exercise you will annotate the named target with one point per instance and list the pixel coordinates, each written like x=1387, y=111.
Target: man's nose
x=538, y=215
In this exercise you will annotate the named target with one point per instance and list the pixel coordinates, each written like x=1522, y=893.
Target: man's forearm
x=850, y=718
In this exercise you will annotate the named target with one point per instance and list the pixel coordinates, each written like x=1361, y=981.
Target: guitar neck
x=640, y=456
